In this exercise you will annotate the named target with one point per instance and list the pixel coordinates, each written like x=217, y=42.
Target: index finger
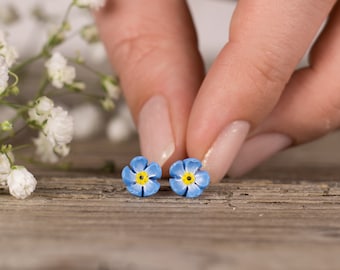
x=267, y=40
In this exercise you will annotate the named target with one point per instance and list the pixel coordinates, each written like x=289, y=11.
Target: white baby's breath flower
x=59, y=127
x=44, y=105
x=59, y=72
x=89, y=33
x=45, y=149
x=8, y=52
x=93, y=4
x=5, y=168
x=88, y=121
x=21, y=182
x=107, y=104
x=111, y=87
x=41, y=110
x=3, y=74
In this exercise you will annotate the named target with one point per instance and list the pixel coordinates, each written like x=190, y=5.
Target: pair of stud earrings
x=186, y=177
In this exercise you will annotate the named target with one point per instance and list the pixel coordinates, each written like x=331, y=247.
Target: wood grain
x=93, y=223
x=276, y=218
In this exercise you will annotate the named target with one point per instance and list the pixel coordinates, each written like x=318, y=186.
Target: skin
x=153, y=48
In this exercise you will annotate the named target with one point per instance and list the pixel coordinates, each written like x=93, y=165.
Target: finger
x=267, y=40
x=308, y=109
x=153, y=48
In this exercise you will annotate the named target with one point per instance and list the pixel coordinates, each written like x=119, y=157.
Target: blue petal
x=192, y=165
x=193, y=191
x=177, y=169
x=135, y=189
x=178, y=186
x=151, y=188
x=128, y=176
x=154, y=171
x=138, y=163
x=202, y=179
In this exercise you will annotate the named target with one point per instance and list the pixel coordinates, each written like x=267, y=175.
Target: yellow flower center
x=142, y=178
x=188, y=178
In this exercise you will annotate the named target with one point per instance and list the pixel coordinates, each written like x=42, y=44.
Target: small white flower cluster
x=21, y=183
x=112, y=91
x=93, y=4
x=3, y=74
x=59, y=72
x=56, y=127
x=54, y=124
x=8, y=52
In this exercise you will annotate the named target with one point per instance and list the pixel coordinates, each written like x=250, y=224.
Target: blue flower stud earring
x=187, y=178
x=141, y=178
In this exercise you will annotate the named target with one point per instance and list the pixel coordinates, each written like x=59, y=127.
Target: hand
x=251, y=103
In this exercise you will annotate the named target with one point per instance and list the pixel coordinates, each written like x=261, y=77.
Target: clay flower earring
x=141, y=178
x=187, y=178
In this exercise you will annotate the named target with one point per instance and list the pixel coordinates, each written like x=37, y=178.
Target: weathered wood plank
x=93, y=223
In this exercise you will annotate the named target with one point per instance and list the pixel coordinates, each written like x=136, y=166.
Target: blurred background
x=28, y=24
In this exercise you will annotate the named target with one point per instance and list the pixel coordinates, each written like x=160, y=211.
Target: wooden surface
x=285, y=215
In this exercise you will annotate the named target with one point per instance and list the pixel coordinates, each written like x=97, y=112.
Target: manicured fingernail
x=256, y=150
x=221, y=154
x=155, y=131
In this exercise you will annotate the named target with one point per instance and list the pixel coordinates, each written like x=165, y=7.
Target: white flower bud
x=21, y=182
x=111, y=87
x=90, y=34
x=42, y=109
x=108, y=104
x=6, y=125
x=44, y=105
x=59, y=127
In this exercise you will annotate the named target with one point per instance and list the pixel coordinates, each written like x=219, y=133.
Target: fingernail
x=256, y=150
x=221, y=154
x=154, y=127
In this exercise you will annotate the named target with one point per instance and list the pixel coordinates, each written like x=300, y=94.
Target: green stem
x=2, y=140
x=28, y=61
x=12, y=105
x=84, y=65
x=20, y=147
x=9, y=159
x=16, y=78
x=60, y=166
x=43, y=85
x=64, y=93
x=52, y=41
